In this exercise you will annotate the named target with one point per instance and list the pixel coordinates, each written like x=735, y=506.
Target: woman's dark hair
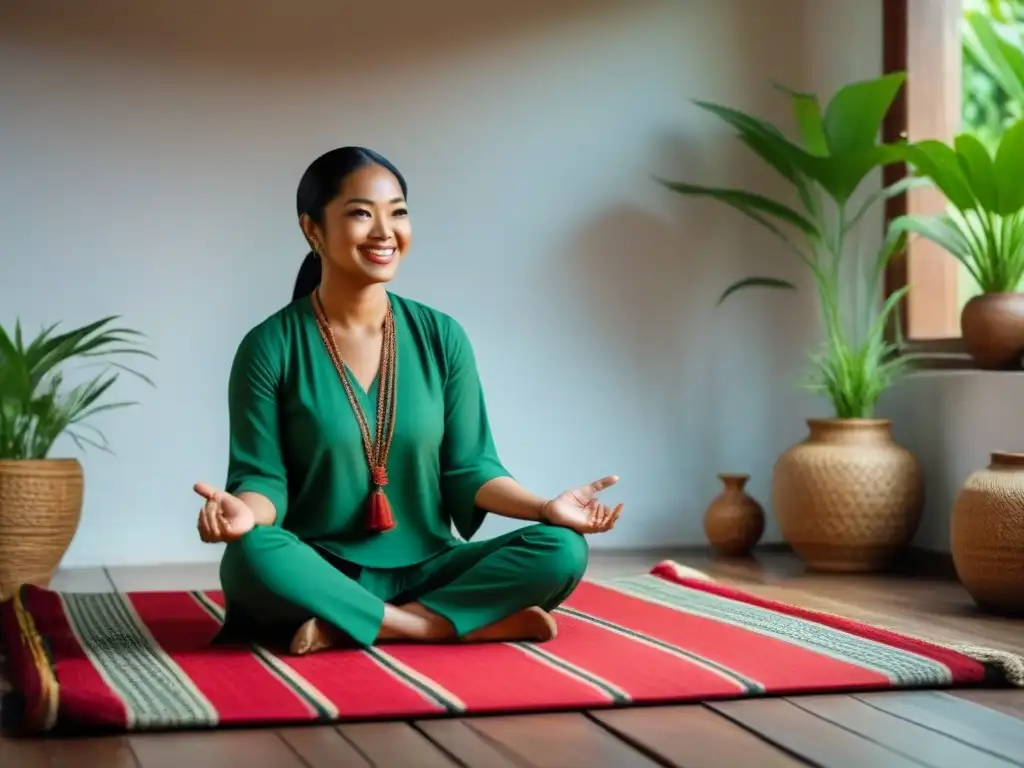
x=318, y=186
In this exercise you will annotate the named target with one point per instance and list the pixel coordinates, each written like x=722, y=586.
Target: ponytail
x=309, y=276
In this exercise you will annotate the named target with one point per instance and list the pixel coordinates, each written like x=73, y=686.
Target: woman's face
x=366, y=230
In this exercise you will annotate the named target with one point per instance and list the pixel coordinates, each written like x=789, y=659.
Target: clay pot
x=848, y=498
x=734, y=522
x=992, y=325
x=987, y=535
x=40, y=507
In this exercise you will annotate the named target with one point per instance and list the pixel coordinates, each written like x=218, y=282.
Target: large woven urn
x=987, y=535
x=40, y=507
x=848, y=498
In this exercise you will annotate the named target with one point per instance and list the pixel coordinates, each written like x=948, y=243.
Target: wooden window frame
x=922, y=38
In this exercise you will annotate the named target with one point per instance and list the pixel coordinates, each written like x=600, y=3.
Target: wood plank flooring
x=965, y=729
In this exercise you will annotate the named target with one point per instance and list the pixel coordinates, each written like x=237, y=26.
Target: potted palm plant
x=983, y=226
x=40, y=496
x=847, y=497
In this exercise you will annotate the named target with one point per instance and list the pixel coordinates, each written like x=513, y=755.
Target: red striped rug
x=141, y=661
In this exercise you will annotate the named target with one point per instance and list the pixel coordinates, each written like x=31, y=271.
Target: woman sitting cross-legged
x=358, y=438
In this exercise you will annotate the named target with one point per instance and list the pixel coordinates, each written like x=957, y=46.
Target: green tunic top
x=295, y=439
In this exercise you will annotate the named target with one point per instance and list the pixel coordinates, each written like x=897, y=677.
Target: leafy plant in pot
x=41, y=497
x=983, y=228
x=847, y=497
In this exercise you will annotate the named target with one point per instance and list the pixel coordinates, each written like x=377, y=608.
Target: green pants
x=273, y=582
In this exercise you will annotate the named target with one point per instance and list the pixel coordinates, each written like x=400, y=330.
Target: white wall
x=151, y=153
x=953, y=421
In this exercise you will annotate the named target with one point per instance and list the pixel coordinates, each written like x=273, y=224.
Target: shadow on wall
x=719, y=381
x=278, y=39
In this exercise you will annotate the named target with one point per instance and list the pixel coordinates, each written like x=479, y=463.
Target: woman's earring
x=316, y=249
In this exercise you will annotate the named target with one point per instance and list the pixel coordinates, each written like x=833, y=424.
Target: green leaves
x=991, y=247
x=36, y=407
x=1009, y=170
x=1001, y=59
x=984, y=229
x=840, y=146
x=978, y=171
x=939, y=162
x=853, y=119
x=807, y=111
x=968, y=175
x=837, y=147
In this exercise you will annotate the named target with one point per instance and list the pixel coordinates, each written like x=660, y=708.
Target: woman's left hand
x=580, y=510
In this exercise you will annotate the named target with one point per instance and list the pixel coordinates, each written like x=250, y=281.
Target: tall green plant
x=837, y=148
x=983, y=227
x=35, y=405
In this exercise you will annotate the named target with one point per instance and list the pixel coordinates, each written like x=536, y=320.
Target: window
x=945, y=94
x=922, y=38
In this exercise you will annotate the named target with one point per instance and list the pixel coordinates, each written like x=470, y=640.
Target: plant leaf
x=746, y=202
x=755, y=282
x=807, y=111
x=853, y=118
x=1009, y=170
x=763, y=138
x=842, y=174
x=940, y=163
x=979, y=170
x=941, y=230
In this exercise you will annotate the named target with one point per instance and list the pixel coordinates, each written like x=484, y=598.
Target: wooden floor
x=968, y=729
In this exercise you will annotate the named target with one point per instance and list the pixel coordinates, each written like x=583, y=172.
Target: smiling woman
x=359, y=438
x=316, y=193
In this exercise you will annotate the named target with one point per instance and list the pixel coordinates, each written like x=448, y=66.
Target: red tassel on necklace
x=381, y=517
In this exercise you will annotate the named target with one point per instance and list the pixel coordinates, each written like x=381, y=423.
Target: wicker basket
x=40, y=506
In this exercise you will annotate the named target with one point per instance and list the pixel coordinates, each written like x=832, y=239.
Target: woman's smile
x=378, y=254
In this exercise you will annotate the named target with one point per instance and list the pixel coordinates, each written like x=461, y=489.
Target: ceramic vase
x=992, y=326
x=734, y=522
x=847, y=498
x=987, y=535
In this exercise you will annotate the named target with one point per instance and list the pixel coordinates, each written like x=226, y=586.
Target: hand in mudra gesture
x=224, y=517
x=580, y=510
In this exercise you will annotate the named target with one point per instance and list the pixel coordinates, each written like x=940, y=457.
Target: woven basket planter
x=848, y=498
x=40, y=507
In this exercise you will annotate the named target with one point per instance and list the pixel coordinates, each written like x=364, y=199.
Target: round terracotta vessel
x=848, y=498
x=987, y=535
x=734, y=522
x=992, y=325
x=40, y=507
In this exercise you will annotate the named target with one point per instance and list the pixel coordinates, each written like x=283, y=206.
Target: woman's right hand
x=224, y=518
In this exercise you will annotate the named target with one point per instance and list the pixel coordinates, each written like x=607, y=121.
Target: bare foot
x=530, y=625
x=313, y=636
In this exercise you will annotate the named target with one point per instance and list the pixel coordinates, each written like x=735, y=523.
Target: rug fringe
x=1010, y=665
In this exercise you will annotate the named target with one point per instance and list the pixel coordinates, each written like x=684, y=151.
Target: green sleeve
x=255, y=460
x=468, y=455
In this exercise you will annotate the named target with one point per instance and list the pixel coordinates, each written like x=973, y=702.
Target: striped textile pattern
x=142, y=661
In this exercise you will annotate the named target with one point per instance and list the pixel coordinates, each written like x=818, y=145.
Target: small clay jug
x=734, y=522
